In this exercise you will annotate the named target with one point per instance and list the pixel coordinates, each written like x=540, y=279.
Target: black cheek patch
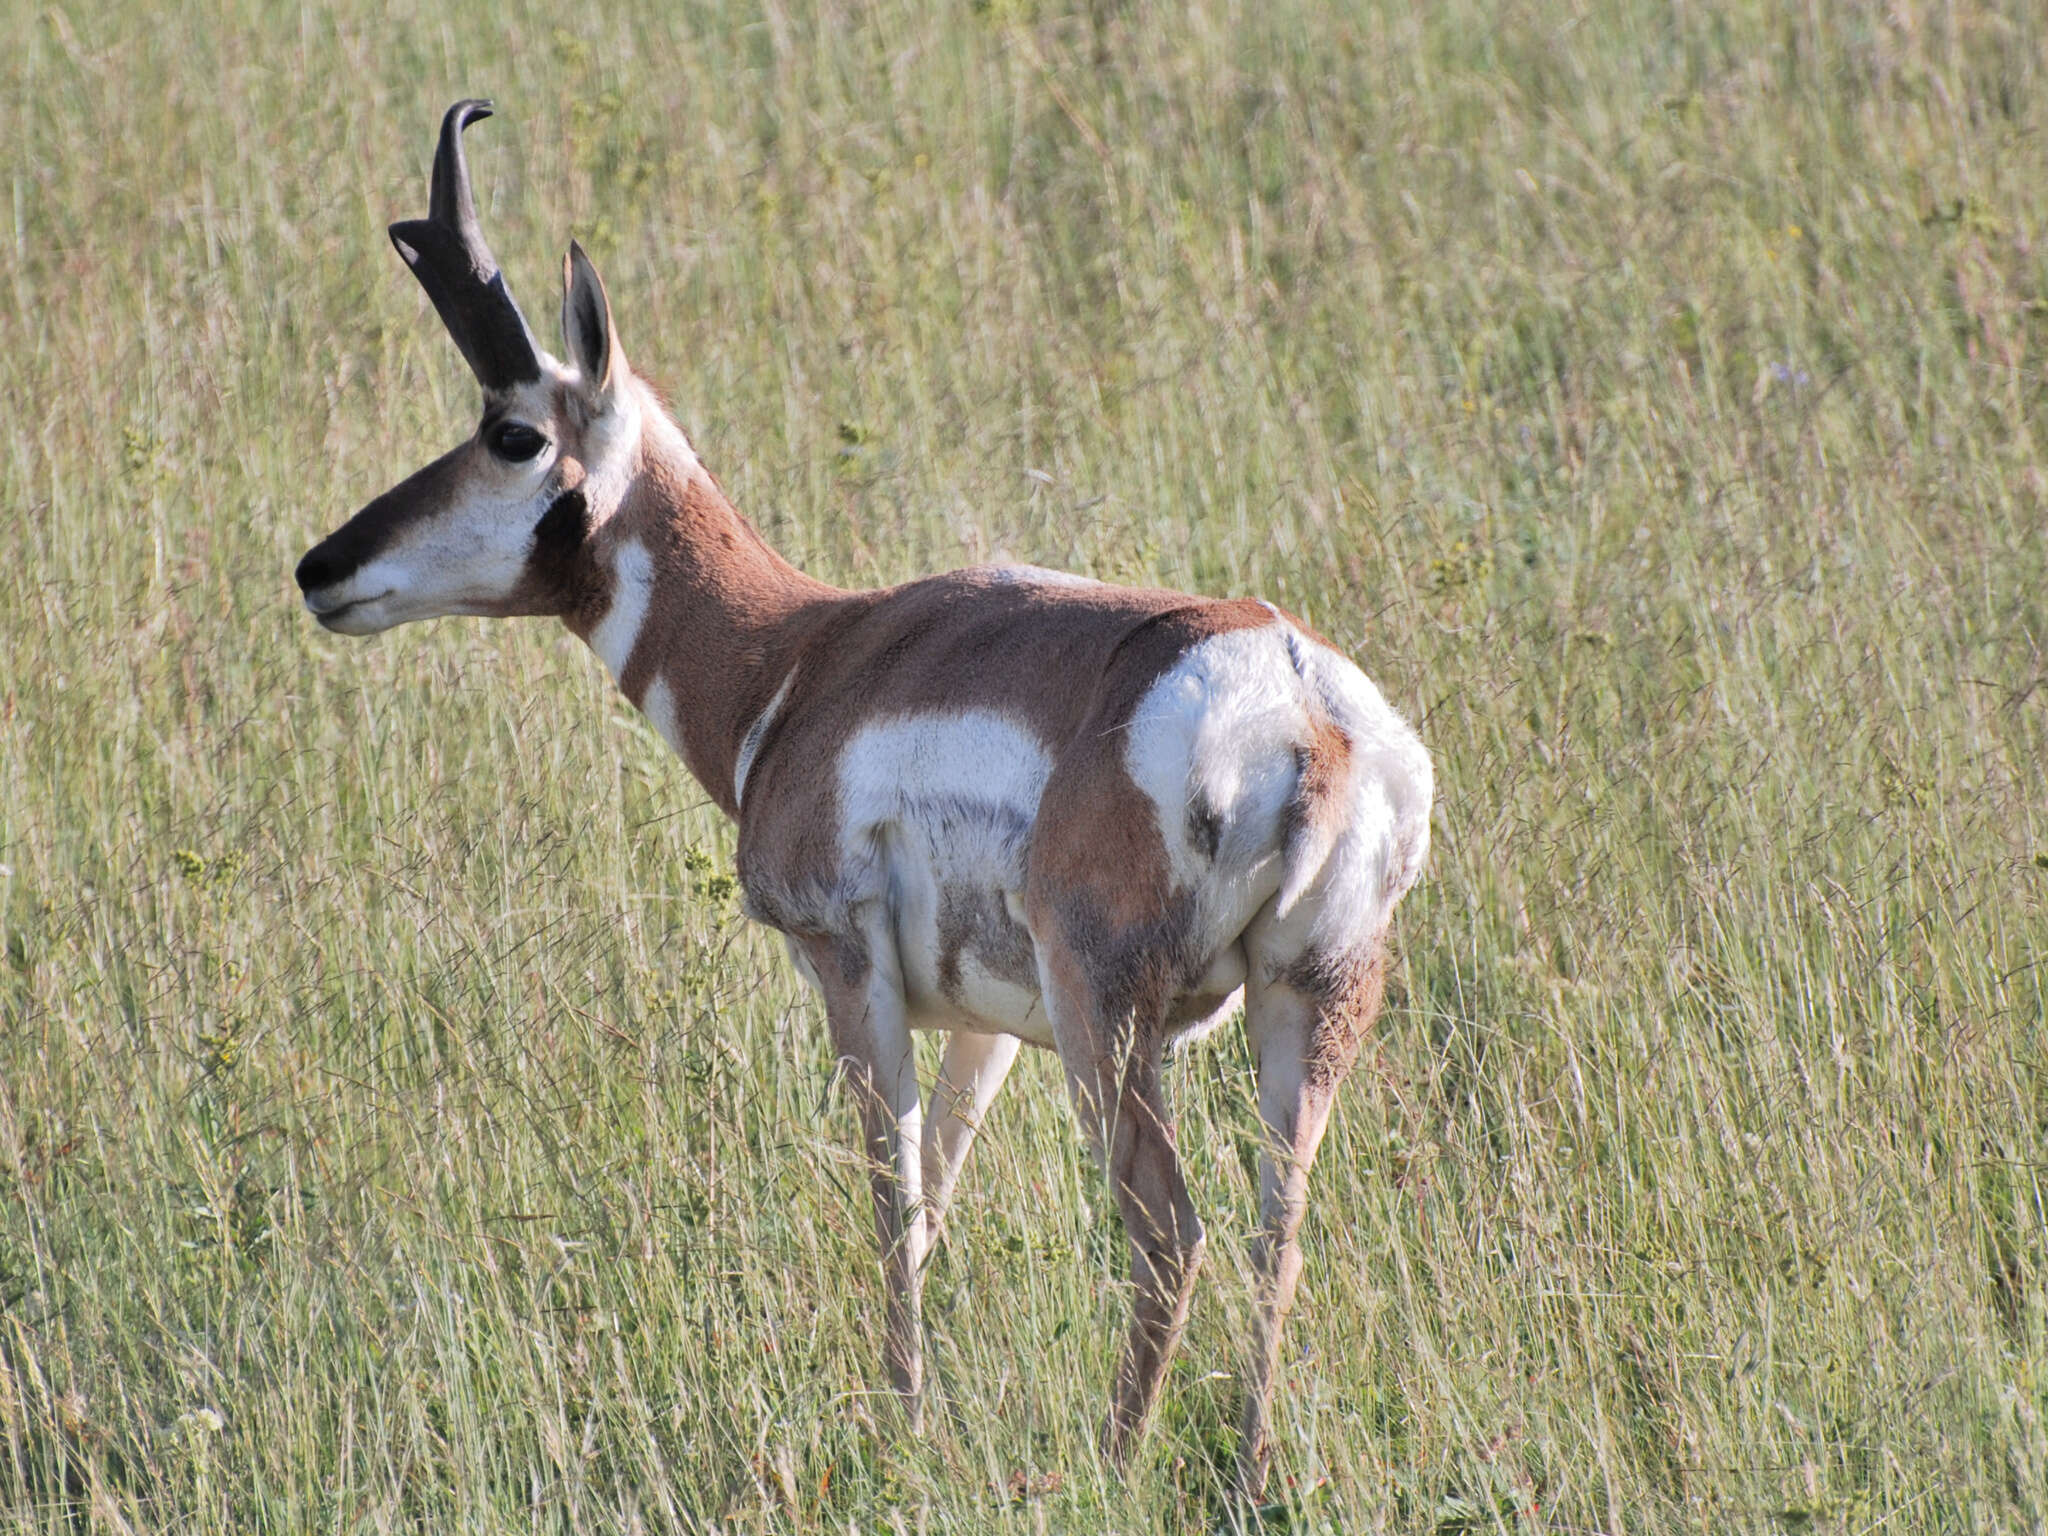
x=562, y=527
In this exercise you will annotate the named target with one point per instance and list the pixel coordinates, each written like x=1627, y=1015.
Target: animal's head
x=497, y=525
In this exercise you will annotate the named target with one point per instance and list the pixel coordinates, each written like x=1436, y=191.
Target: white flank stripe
x=750, y=744
x=659, y=706
x=632, y=589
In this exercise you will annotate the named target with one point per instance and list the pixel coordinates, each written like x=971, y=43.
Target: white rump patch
x=1212, y=746
x=1392, y=783
x=632, y=590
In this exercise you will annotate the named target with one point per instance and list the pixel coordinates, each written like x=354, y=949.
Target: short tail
x=1319, y=808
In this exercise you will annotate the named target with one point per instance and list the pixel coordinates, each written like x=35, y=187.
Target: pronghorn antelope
x=1012, y=805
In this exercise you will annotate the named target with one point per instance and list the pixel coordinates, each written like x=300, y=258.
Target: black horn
x=447, y=253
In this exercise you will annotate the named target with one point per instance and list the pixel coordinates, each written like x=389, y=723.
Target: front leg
x=973, y=1069
x=863, y=990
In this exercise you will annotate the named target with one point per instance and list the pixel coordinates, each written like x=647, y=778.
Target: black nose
x=317, y=569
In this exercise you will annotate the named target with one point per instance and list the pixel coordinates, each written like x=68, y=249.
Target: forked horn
x=447, y=253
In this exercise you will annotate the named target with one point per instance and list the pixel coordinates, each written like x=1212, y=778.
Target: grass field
x=400, y=1130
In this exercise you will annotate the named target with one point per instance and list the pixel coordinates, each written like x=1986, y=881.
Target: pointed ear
x=587, y=322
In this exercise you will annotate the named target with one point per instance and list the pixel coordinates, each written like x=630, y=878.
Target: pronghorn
x=1009, y=804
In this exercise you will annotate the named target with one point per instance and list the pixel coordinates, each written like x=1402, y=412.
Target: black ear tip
x=473, y=109
x=407, y=251
x=579, y=261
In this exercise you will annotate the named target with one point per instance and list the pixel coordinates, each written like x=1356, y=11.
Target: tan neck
x=699, y=620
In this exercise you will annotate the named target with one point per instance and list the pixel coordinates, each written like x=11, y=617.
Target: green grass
x=400, y=1129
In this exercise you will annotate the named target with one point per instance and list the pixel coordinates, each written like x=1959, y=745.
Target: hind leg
x=1110, y=1048
x=1111, y=931
x=1305, y=1024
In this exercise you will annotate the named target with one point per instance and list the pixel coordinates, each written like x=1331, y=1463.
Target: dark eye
x=514, y=441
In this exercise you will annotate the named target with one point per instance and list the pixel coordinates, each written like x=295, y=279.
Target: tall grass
x=399, y=1127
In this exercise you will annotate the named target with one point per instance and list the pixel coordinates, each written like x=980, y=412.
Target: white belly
x=968, y=961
